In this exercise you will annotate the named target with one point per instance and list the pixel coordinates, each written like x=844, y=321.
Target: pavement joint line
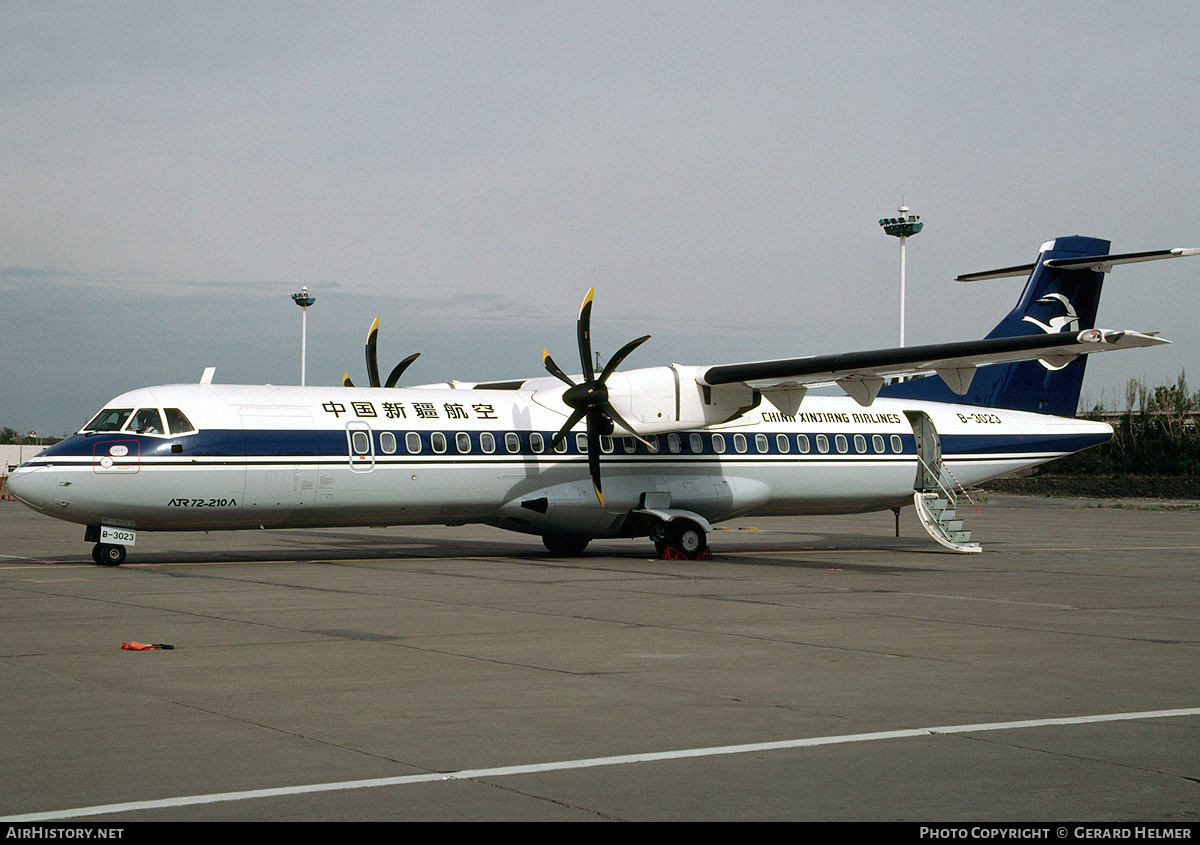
x=587, y=763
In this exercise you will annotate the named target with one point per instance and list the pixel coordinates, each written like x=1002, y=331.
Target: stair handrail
x=963, y=489
x=950, y=495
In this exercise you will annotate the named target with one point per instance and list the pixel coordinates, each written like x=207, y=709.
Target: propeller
x=589, y=399
x=373, y=362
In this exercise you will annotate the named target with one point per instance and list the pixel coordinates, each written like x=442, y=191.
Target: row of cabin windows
x=439, y=442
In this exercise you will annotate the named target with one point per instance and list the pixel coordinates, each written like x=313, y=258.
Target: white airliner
x=662, y=453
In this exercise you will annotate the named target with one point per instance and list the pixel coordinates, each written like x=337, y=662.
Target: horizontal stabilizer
x=1103, y=263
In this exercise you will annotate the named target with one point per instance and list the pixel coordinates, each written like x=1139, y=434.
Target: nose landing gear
x=106, y=554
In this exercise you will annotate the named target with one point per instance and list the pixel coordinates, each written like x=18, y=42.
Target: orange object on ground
x=142, y=646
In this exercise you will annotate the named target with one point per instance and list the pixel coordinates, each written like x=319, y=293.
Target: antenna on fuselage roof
x=207, y=378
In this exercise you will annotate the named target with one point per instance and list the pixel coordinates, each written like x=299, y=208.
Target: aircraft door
x=929, y=452
x=361, y=444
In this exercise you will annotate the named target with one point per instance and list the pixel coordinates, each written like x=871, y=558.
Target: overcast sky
x=170, y=173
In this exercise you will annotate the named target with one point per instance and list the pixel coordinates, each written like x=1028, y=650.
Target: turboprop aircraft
x=662, y=453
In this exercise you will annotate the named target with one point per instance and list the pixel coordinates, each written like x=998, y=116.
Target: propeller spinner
x=373, y=362
x=589, y=400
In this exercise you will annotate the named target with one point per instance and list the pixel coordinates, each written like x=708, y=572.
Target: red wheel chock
x=672, y=554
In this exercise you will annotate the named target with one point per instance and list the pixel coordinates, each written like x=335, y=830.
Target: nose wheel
x=106, y=554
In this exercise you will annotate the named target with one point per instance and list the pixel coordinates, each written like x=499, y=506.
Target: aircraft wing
x=861, y=374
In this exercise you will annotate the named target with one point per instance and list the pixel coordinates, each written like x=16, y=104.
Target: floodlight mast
x=902, y=227
x=304, y=301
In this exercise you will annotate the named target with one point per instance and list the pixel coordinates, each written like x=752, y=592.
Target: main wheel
x=686, y=537
x=105, y=554
x=565, y=544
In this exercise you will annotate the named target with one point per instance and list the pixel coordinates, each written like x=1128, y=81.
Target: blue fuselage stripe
x=233, y=446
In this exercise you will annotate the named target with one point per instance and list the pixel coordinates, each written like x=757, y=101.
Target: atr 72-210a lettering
x=662, y=453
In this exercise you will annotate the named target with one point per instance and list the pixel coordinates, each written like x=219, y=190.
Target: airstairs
x=937, y=507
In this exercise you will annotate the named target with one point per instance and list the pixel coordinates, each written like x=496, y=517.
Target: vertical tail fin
x=1055, y=299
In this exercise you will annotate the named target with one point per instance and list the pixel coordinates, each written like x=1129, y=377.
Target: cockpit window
x=110, y=419
x=146, y=421
x=178, y=422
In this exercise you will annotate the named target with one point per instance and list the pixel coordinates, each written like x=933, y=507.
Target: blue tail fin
x=1055, y=299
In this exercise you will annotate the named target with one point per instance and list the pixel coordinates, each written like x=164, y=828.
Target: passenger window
x=629, y=444
x=412, y=441
x=513, y=443
x=536, y=442
x=487, y=442
x=877, y=442
x=146, y=421
x=606, y=444
x=581, y=444
x=782, y=443
x=178, y=423
x=802, y=442
x=438, y=441
x=387, y=443
x=673, y=443
x=739, y=442
x=653, y=440
x=360, y=442
x=718, y=441
x=842, y=445
x=760, y=443
x=696, y=443
x=561, y=448
x=822, y=443
x=110, y=419
x=897, y=444
x=860, y=443
x=463, y=441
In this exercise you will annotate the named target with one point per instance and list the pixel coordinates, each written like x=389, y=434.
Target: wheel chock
x=673, y=554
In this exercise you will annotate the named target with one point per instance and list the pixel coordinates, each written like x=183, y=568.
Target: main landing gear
x=106, y=554
x=679, y=539
x=676, y=539
x=565, y=545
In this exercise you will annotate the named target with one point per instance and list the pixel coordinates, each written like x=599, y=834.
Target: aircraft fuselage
x=279, y=457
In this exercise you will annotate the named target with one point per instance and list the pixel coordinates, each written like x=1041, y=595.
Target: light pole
x=902, y=227
x=303, y=300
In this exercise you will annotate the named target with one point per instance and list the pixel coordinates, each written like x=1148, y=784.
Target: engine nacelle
x=663, y=399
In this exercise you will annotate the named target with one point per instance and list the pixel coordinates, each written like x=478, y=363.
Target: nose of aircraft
x=33, y=486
